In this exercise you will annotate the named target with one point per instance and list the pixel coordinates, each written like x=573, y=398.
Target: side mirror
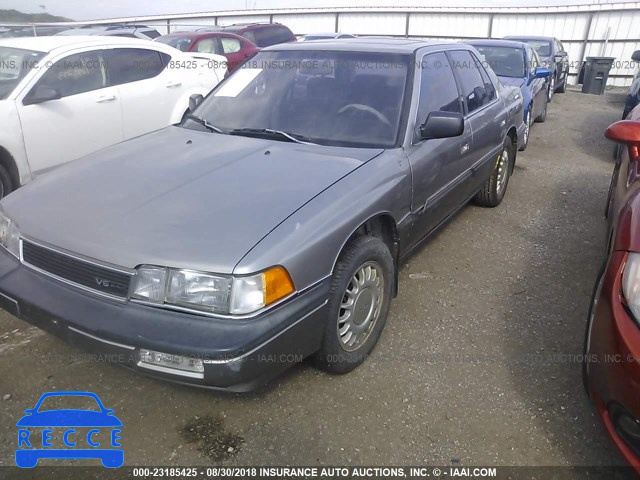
x=626, y=132
x=442, y=125
x=41, y=94
x=542, y=72
x=194, y=101
x=635, y=56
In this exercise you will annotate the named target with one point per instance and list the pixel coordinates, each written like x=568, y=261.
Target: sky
x=100, y=9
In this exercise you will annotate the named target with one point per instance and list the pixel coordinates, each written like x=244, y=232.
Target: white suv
x=64, y=97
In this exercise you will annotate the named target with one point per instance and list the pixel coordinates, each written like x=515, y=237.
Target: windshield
x=181, y=43
x=543, y=47
x=318, y=37
x=69, y=402
x=331, y=98
x=15, y=63
x=505, y=61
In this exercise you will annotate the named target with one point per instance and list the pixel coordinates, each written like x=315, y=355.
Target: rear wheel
x=359, y=301
x=495, y=187
x=527, y=130
x=563, y=88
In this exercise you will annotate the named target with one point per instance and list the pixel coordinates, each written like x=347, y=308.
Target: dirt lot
x=475, y=365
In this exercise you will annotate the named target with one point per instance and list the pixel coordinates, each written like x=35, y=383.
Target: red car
x=235, y=48
x=611, y=370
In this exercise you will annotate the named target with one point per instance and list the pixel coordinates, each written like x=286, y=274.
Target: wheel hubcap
x=503, y=171
x=527, y=127
x=552, y=87
x=360, y=306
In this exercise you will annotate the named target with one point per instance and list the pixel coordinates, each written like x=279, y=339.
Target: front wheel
x=543, y=115
x=552, y=88
x=6, y=184
x=495, y=187
x=359, y=301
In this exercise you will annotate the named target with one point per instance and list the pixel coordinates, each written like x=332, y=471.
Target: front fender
x=308, y=243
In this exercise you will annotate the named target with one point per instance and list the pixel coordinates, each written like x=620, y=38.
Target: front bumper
x=238, y=354
x=614, y=360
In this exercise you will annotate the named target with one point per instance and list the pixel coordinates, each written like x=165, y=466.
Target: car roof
x=203, y=34
x=529, y=37
x=362, y=44
x=496, y=43
x=48, y=44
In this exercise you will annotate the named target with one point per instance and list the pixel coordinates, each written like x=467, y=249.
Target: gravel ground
x=476, y=364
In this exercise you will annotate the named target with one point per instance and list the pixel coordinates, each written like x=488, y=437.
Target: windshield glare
x=505, y=61
x=15, y=63
x=331, y=98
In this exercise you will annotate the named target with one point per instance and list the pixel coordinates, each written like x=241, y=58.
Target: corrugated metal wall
x=586, y=30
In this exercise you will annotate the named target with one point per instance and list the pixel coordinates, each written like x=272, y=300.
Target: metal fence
x=586, y=30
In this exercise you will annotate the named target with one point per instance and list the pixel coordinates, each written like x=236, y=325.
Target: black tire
x=563, y=87
x=585, y=348
x=528, y=133
x=492, y=193
x=6, y=184
x=333, y=357
x=543, y=115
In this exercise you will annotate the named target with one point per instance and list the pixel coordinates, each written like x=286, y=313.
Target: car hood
x=512, y=81
x=69, y=418
x=177, y=197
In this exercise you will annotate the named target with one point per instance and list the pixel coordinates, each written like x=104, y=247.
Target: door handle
x=173, y=84
x=105, y=98
x=464, y=149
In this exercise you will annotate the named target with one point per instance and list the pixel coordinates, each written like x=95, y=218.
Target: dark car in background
x=311, y=37
x=261, y=34
x=30, y=31
x=132, y=31
x=517, y=64
x=553, y=56
x=633, y=95
x=272, y=222
x=611, y=370
x=235, y=48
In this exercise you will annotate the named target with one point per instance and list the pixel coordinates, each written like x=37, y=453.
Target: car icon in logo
x=93, y=427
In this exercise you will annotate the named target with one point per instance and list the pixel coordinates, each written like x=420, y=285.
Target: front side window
x=473, y=88
x=207, y=45
x=533, y=60
x=181, y=43
x=128, y=65
x=75, y=74
x=331, y=98
x=438, y=90
x=15, y=64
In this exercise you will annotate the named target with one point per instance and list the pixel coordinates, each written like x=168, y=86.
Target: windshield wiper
x=270, y=133
x=204, y=123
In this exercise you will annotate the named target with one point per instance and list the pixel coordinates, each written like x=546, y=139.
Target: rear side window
x=126, y=65
x=438, y=90
x=467, y=69
x=151, y=33
x=75, y=74
x=230, y=45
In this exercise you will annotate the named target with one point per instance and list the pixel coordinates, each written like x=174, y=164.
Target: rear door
x=149, y=87
x=486, y=116
x=86, y=118
x=232, y=49
x=436, y=164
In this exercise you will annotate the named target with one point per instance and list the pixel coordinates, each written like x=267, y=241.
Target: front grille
x=73, y=270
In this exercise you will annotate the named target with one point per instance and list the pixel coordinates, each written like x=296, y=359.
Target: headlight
x=631, y=284
x=9, y=235
x=209, y=292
